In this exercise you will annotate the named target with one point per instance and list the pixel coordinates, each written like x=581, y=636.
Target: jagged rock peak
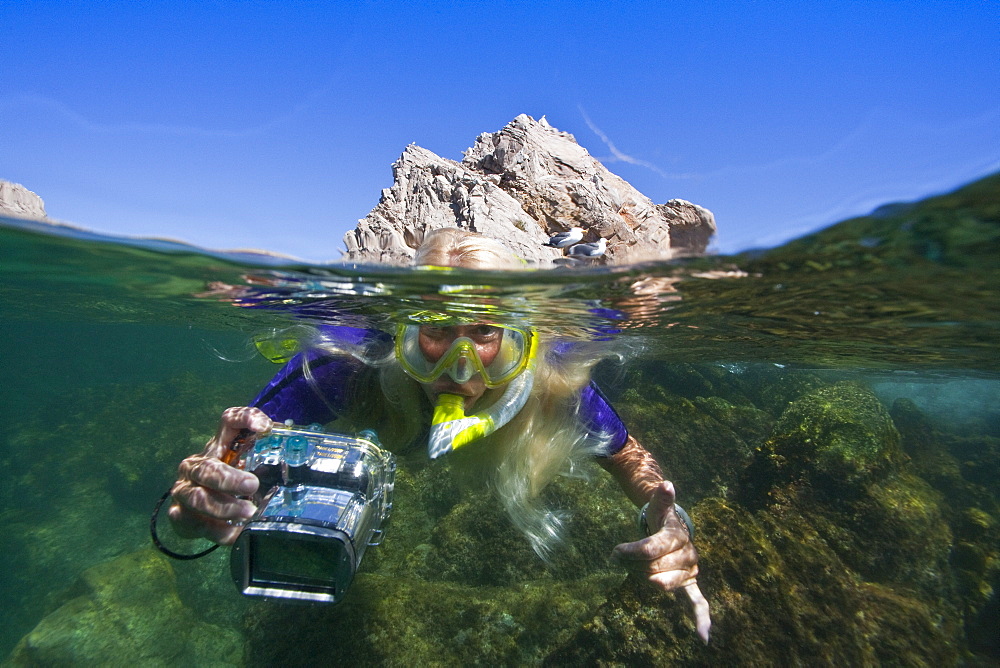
x=19, y=202
x=521, y=185
x=429, y=192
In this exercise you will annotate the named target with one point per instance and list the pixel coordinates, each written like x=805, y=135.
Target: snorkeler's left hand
x=667, y=557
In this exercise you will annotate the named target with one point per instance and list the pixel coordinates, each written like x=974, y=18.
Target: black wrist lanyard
x=163, y=548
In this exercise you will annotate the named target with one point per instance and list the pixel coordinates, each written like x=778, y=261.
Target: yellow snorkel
x=451, y=428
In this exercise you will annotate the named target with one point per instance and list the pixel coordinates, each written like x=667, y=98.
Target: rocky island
x=16, y=201
x=521, y=185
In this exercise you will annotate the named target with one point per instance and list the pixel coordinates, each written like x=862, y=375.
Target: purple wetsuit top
x=322, y=394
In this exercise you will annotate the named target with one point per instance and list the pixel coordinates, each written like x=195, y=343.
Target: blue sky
x=274, y=124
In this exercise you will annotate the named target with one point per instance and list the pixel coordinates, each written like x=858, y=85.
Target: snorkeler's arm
x=315, y=385
x=310, y=388
x=666, y=556
x=631, y=465
x=635, y=470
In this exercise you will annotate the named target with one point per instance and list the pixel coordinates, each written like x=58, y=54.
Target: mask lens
x=513, y=350
x=461, y=360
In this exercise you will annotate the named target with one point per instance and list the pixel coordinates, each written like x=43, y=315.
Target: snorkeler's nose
x=462, y=370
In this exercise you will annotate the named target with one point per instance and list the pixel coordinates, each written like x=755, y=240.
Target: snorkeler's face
x=436, y=342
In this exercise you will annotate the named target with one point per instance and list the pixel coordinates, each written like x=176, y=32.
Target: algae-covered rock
x=703, y=444
x=80, y=489
x=767, y=387
x=841, y=432
x=835, y=454
x=780, y=596
x=126, y=612
x=966, y=470
x=476, y=543
x=703, y=423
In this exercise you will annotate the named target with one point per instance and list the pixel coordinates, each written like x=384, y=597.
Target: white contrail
x=619, y=156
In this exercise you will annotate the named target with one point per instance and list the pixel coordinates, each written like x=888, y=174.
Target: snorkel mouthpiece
x=451, y=428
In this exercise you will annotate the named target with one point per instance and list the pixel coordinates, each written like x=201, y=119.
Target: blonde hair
x=545, y=439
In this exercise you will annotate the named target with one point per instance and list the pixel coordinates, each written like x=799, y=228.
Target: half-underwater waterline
x=829, y=412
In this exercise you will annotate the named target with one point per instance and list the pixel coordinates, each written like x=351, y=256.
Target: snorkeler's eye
x=484, y=333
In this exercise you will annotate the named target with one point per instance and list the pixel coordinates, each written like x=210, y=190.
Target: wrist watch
x=681, y=515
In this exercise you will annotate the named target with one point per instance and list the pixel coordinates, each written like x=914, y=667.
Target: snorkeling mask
x=461, y=361
x=513, y=365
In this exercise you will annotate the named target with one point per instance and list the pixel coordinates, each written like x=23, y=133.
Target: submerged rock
x=780, y=596
x=127, y=612
x=965, y=469
x=835, y=455
x=399, y=621
x=80, y=490
x=841, y=432
x=521, y=185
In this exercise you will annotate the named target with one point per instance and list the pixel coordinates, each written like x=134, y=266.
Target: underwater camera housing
x=321, y=503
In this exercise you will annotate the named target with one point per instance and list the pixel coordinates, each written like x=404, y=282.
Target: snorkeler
x=502, y=403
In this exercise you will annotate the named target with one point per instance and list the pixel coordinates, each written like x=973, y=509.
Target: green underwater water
x=828, y=411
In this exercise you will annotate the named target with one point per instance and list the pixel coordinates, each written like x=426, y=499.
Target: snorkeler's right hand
x=205, y=496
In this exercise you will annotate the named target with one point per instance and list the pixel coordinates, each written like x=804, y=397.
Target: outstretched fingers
x=702, y=615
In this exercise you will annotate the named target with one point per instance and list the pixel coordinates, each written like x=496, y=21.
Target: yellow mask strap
x=277, y=350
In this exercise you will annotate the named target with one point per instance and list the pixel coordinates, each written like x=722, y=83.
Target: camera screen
x=284, y=559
